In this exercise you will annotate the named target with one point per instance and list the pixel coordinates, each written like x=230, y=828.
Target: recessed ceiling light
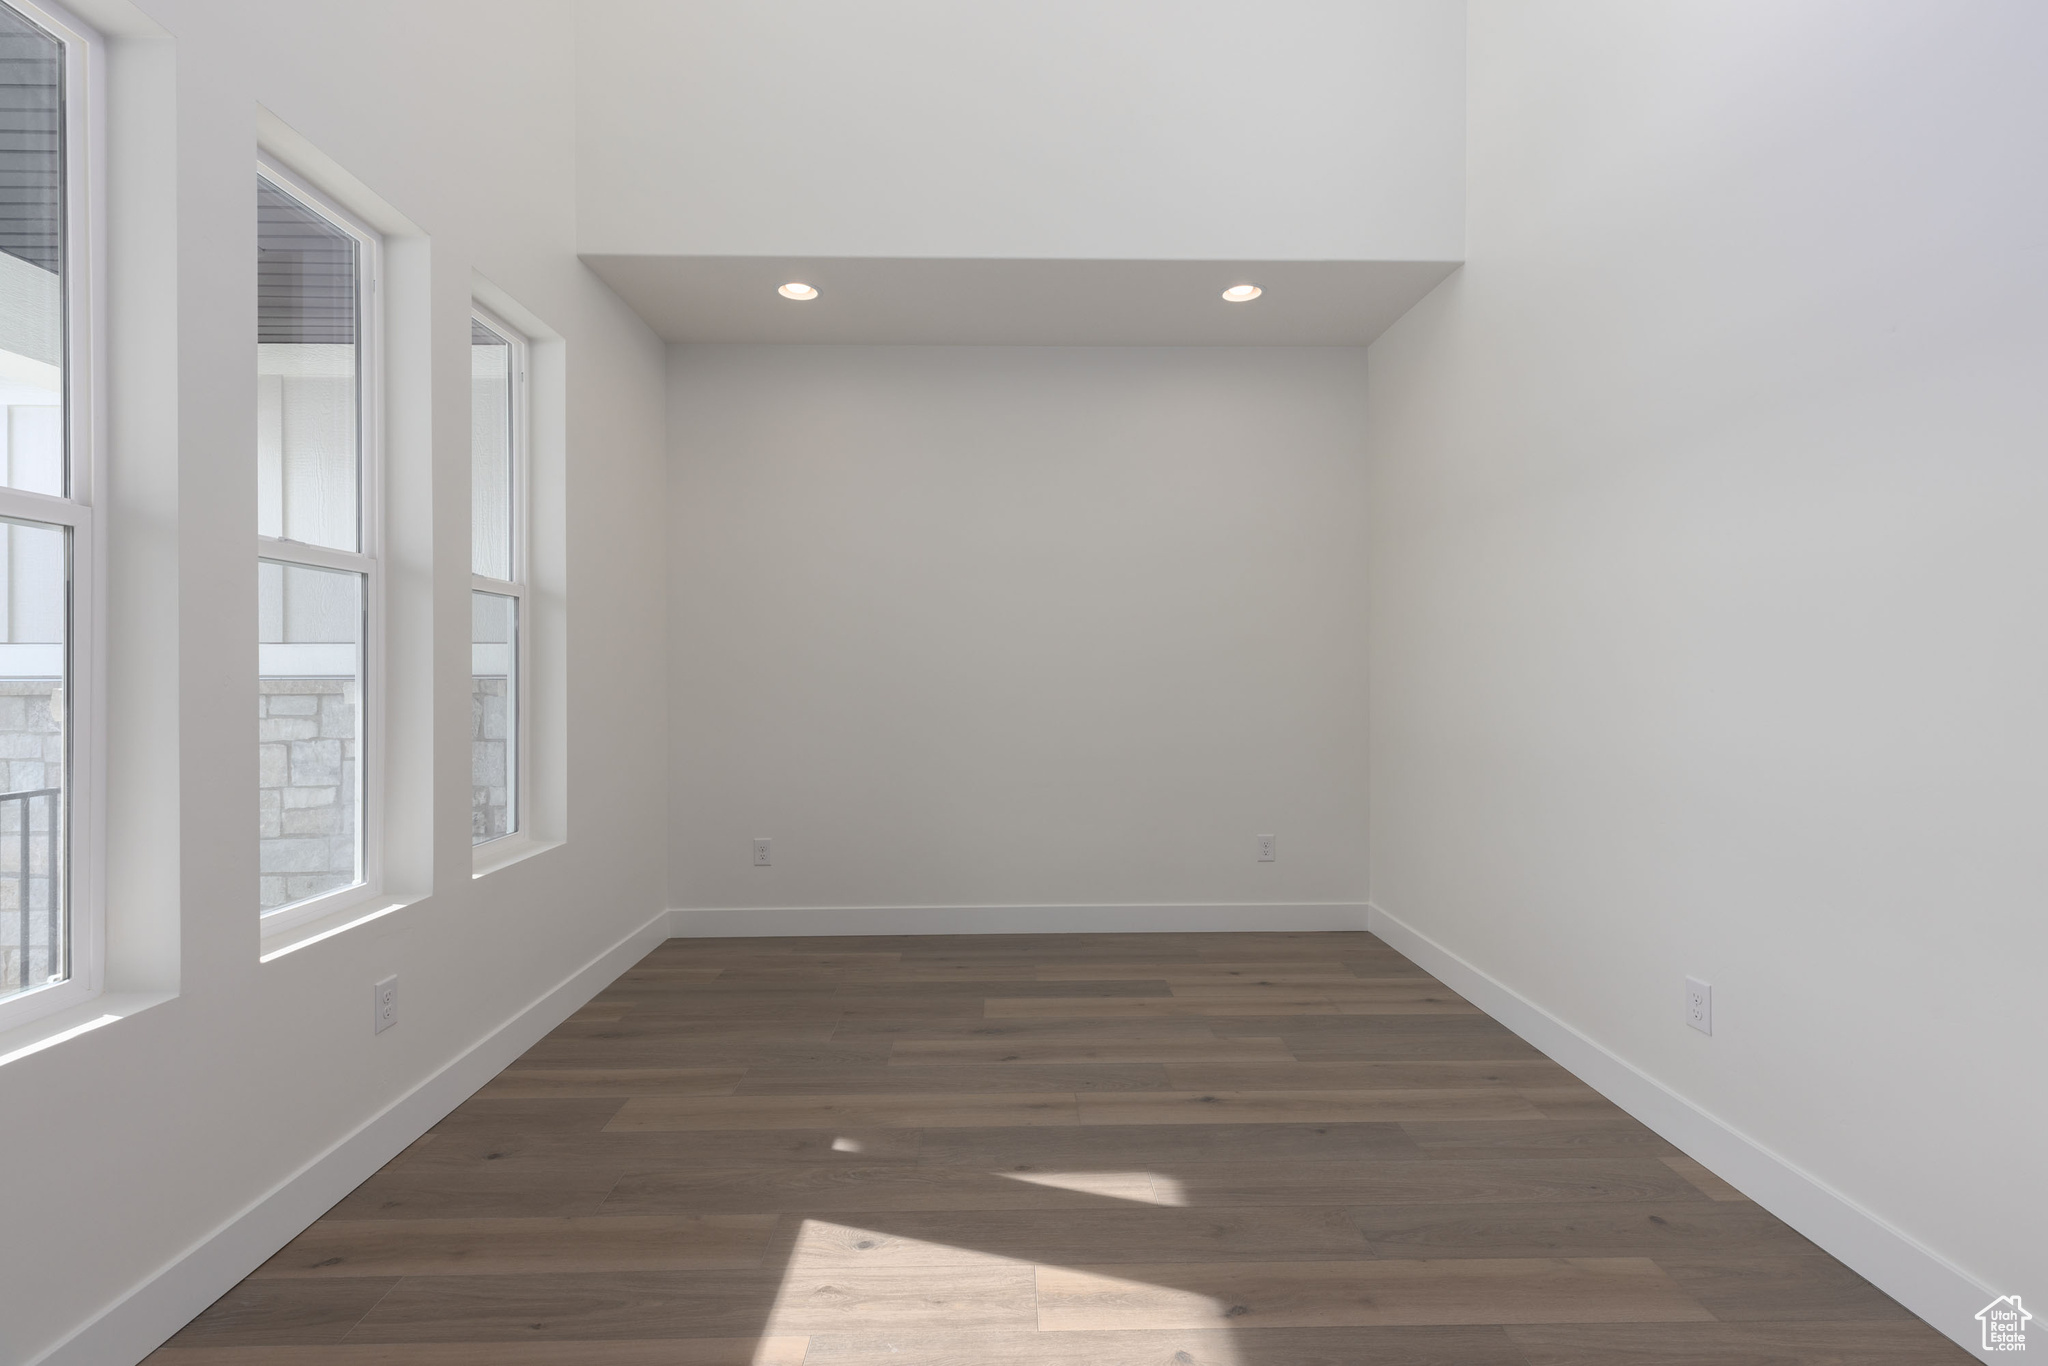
x=1242, y=294
x=796, y=289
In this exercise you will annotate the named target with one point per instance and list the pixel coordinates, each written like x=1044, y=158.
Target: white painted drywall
x=1175, y=129
x=997, y=626
x=127, y=1145
x=1707, y=511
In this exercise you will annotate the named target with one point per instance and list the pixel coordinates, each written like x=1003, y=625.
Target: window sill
x=291, y=938
x=72, y=1021
x=286, y=921
x=503, y=853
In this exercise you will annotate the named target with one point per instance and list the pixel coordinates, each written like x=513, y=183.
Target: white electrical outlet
x=1699, y=1005
x=761, y=859
x=385, y=996
x=1269, y=849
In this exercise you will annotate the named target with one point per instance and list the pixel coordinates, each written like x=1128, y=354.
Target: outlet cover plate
x=1699, y=1005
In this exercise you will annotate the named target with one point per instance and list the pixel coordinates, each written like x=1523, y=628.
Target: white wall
x=126, y=1146
x=995, y=626
x=1205, y=129
x=1707, y=509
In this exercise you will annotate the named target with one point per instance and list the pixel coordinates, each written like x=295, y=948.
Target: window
x=48, y=925
x=316, y=574
x=497, y=370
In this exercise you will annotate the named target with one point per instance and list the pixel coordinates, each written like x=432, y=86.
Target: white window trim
x=84, y=356
x=366, y=561
x=507, y=848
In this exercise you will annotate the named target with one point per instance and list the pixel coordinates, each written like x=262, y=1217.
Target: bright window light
x=47, y=961
x=1145, y=1188
x=316, y=575
x=497, y=550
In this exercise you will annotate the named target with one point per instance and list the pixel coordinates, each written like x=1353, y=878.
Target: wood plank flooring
x=1110, y=1150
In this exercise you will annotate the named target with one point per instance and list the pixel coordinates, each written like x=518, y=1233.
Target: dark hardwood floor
x=1110, y=1150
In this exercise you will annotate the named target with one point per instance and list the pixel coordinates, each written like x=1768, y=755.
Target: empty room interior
x=1088, y=682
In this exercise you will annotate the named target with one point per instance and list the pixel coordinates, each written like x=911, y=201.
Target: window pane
x=490, y=452
x=34, y=597
x=31, y=257
x=306, y=374
x=493, y=716
x=309, y=723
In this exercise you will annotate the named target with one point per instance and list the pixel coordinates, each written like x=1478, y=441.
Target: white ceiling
x=1017, y=302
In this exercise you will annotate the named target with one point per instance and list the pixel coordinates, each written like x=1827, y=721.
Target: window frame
x=494, y=852
x=82, y=123
x=366, y=560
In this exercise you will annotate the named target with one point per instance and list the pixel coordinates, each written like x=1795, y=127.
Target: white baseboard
x=688, y=922
x=1924, y=1281
x=137, y=1323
